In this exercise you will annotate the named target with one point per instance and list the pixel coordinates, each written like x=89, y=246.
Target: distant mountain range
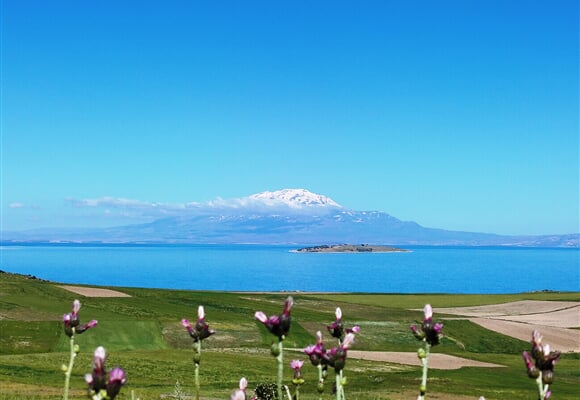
x=289, y=216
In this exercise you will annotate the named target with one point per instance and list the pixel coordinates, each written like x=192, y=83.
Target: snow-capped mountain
x=288, y=216
x=295, y=198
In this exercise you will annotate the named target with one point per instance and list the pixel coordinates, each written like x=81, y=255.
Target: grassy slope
x=143, y=334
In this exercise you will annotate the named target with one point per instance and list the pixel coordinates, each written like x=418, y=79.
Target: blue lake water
x=275, y=268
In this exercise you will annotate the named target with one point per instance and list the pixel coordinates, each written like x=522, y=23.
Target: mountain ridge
x=287, y=216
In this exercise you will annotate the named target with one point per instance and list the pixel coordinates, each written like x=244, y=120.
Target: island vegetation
x=350, y=248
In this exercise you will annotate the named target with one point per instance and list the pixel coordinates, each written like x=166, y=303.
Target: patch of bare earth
x=436, y=360
x=554, y=319
x=94, y=292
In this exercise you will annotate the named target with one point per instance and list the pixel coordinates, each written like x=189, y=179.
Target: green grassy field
x=143, y=335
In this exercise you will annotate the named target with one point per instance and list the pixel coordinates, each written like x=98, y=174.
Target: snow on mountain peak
x=295, y=198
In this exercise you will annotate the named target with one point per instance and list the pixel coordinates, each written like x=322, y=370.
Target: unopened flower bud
x=63, y=368
x=428, y=312
x=275, y=350
x=547, y=377
x=76, y=348
x=320, y=387
x=423, y=390
x=421, y=354
x=196, y=358
x=533, y=372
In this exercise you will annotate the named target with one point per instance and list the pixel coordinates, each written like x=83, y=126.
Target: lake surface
x=275, y=268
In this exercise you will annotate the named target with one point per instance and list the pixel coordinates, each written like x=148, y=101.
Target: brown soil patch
x=436, y=360
x=562, y=339
x=567, y=318
x=94, y=292
x=554, y=319
x=524, y=307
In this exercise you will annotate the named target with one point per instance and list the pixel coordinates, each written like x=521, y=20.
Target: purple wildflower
x=72, y=323
x=296, y=365
x=541, y=360
x=428, y=331
x=201, y=329
x=117, y=378
x=316, y=351
x=337, y=329
x=97, y=380
x=278, y=325
x=240, y=394
x=336, y=357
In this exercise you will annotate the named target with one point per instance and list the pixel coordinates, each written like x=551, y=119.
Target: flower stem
x=425, y=361
x=320, y=382
x=542, y=390
x=342, y=382
x=197, y=359
x=288, y=395
x=71, y=361
x=339, y=392
x=280, y=359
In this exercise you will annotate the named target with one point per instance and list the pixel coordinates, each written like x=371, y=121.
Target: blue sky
x=460, y=115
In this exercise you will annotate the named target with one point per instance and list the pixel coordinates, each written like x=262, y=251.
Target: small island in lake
x=349, y=248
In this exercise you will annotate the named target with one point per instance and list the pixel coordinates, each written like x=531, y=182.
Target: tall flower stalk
x=297, y=380
x=198, y=332
x=72, y=325
x=338, y=330
x=540, y=364
x=315, y=352
x=430, y=334
x=279, y=326
x=336, y=358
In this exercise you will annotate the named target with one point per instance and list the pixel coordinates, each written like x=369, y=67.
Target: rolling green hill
x=143, y=334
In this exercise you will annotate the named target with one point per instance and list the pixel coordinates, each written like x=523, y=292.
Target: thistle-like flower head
x=316, y=351
x=117, y=378
x=97, y=380
x=337, y=328
x=541, y=359
x=428, y=331
x=278, y=325
x=200, y=330
x=240, y=393
x=336, y=357
x=296, y=365
x=71, y=321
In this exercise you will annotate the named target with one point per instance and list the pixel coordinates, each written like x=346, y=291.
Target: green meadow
x=144, y=336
